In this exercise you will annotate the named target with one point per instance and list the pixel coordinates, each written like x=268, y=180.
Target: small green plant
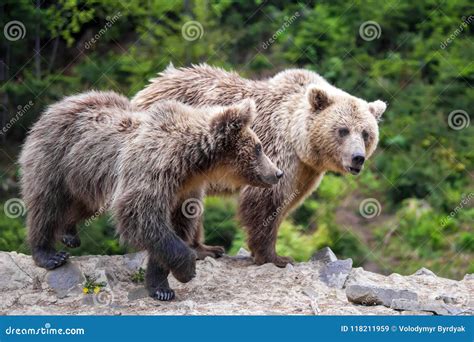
x=139, y=276
x=92, y=286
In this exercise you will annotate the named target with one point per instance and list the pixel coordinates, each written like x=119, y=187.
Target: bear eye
x=258, y=150
x=343, y=132
x=365, y=135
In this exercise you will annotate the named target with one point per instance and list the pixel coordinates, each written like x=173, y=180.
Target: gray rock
x=137, y=293
x=243, y=253
x=134, y=261
x=448, y=299
x=424, y=272
x=325, y=255
x=13, y=276
x=335, y=273
x=371, y=295
x=65, y=279
x=469, y=276
x=413, y=305
x=211, y=261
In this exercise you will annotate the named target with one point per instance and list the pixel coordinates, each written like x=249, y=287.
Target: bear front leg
x=174, y=255
x=156, y=279
x=261, y=212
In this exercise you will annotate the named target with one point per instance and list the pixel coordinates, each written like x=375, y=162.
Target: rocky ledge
x=113, y=285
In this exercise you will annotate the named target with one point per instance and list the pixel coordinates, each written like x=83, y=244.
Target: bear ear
x=318, y=98
x=236, y=117
x=377, y=108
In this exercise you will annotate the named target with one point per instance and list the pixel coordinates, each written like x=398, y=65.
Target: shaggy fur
x=92, y=152
x=306, y=125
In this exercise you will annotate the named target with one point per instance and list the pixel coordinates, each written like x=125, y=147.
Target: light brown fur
x=94, y=151
x=300, y=120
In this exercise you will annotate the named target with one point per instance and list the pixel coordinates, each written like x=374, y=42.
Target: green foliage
x=139, y=276
x=12, y=233
x=420, y=173
x=219, y=221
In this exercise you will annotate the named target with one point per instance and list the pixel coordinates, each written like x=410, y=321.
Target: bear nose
x=358, y=159
x=279, y=174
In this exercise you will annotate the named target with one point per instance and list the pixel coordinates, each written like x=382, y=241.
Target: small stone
x=310, y=292
x=134, y=261
x=137, y=293
x=325, y=255
x=65, y=279
x=211, y=261
x=243, y=253
x=371, y=295
x=448, y=299
x=424, y=272
x=469, y=276
x=335, y=273
x=413, y=305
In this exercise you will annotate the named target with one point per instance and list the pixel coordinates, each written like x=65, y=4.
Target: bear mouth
x=354, y=170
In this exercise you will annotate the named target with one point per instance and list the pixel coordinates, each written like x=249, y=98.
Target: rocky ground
x=227, y=286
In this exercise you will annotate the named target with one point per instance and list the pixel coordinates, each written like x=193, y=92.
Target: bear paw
x=71, y=241
x=163, y=294
x=186, y=269
x=50, y=259
x=204, y=251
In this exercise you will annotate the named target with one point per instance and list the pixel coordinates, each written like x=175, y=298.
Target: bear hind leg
x=46, y=216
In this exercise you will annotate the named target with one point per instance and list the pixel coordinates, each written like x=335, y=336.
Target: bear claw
x=71, y=241
x=56, y=260
x=164, y=294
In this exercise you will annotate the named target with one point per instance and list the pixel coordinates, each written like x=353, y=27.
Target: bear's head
x=241, y=149
x=341, y=130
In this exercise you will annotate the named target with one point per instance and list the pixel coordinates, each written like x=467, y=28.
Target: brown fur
x=299, y=120
x=94, y=151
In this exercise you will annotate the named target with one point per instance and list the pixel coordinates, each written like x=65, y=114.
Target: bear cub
x=94, y=152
